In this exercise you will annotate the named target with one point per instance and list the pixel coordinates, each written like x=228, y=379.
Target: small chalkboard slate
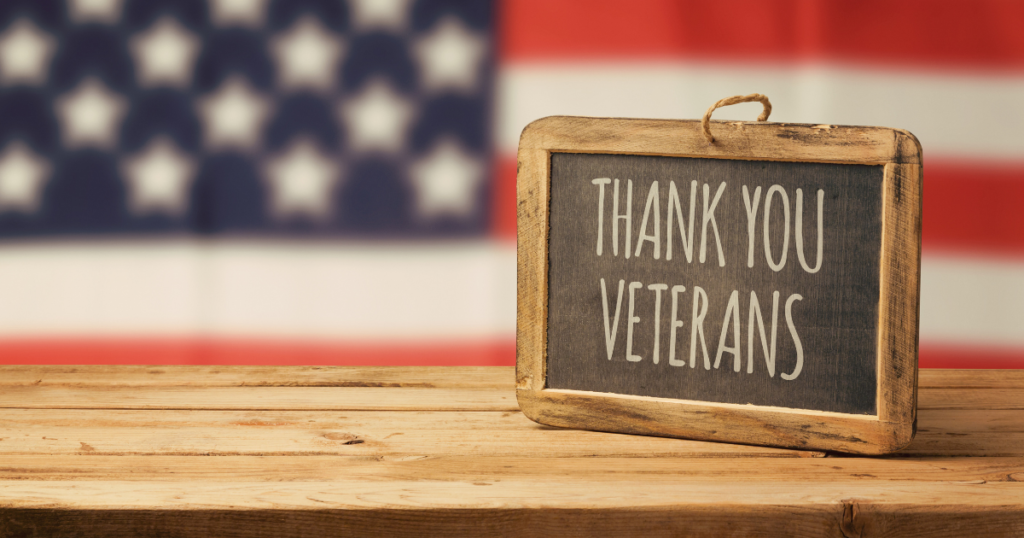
x=759, y=289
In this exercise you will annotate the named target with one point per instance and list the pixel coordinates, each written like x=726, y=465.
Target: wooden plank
x=217, y=433
x=519, y=507
x=850, y=519
x=973, y=444
x=245, y=398
x=967, y=433
x=931, y=378
x=293, y=398
x=958, y=421
x=973, y=433
x=259, y=376
x=366, y=398
x=993, y=399
x=607, y=471
x=26, y=419
x=36, y=431
x=360, y=376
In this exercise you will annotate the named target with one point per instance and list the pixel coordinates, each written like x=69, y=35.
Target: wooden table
x=306, y=451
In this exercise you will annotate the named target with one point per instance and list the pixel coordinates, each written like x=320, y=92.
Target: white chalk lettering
x=800, y=230
x=755, y=313
x=631, y=321
x=685, y=232
x=627, y=216
x=731, y=311
x=700, y=299
x=652, y=200
x=611, y=329
x=785, y=229
x=751, y=219
x=601, y=182
x=775, y=235
x=676, y=323
x=709, y=216
x=658, y=288
x=796, y=339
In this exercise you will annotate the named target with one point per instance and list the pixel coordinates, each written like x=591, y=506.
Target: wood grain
x=369, y=376
x=206, y=471
x=970, y=379
x=518, y=508
x=424, y=434
x=996, y=398
x=959, y=421
x=600, y=472
x=295, y=398
x=899, y=303
x=532, y=197
x=845, y=518
x=219, y=433
x=506, y=493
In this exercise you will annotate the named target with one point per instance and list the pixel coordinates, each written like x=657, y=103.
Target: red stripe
x=224, y=352
x=970, y=357
x=503, y=212
x=186, y=351
x=933, y=33
x=973, y=208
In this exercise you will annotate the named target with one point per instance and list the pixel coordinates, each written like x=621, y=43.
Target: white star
x=90, y=115
x=22, y=176
x=377, y=118
x=233, y=116
x=446, y=182
x=450, y=56
x=302, y=182
x=238, y=12
x=387, y=14
x=164, y=54
x=105, y=11
x=25, y=53
x=158, y=179
x=307, y=56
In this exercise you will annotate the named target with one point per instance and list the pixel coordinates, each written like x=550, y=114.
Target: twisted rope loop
x=706, y=122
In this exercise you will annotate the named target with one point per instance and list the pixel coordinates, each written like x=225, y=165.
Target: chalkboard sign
x=761, y=289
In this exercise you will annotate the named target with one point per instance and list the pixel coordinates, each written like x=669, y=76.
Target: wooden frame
x=898, y=151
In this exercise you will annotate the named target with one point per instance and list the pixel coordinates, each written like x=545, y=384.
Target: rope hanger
x=706, y=121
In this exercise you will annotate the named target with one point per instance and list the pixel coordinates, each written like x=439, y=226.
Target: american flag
x=249, y=181
x=333, y=182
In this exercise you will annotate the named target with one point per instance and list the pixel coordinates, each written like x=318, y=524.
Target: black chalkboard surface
x=750, y=282
x=716, y=265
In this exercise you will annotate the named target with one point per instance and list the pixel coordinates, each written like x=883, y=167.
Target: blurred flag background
x=333, y=182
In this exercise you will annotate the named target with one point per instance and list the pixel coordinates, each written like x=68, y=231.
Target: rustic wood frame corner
x=897, y=151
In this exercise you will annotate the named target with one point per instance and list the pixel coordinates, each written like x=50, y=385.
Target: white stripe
x=426, y=292
x=972, y=302
x=957, y=116
x=89, y=288
x=398, y=292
